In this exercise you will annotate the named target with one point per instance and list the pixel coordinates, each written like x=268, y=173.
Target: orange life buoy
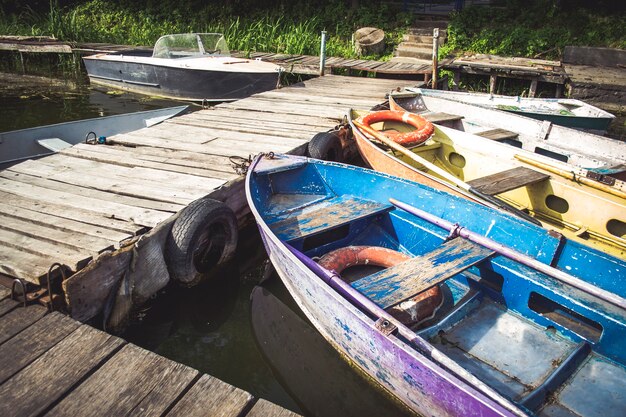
x=423, y=128
x=410, y=312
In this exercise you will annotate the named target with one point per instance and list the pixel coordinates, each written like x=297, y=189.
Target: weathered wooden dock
x=53, y=365
x=292, y=63
x=104, y=211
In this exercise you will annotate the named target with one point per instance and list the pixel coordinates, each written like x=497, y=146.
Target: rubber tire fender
x=203, y=237
x=326, y=146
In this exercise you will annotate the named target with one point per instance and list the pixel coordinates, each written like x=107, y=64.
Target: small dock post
x=435, y=56
x=323, y=53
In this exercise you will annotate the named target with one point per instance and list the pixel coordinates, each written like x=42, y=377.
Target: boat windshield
x=190, y=44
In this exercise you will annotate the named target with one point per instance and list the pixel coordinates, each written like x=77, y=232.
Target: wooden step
x=507, y=180
x=325, y=215
x=498, y=134
x=403, y=281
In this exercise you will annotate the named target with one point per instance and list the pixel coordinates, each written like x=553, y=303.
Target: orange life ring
x=410, y=312
x=423, y=128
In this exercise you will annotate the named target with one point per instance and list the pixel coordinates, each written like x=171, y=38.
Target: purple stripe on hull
x=399, y=369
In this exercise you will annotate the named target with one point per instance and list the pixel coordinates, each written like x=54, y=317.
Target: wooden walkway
x=55, y=366
x=296, y=64
x=103, y=211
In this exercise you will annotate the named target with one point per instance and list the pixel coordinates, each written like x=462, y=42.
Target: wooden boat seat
x=507, y=180
x=440, y=117
x=54, y=144
x=498, y=134
x=403, y=281
x=325, y=215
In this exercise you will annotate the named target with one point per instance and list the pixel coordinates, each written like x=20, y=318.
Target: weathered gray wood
x=205, y=166
x=55, y=372
x=133, y=382
x=17, y=320
x=407, y=279
x=600, y=57
x=31, y=343
x=82, y=243
x=4, y=292
x=7, y=304
x=264, y=408
x=105, y=180
x=507, y=180
x=325, y=215
x=35, y=186
x=87, y=291
x=72, y=257
x=211, y=397
x=498, y=134
x=62, y=224
x=17, y=263
x=169, y=181
x=73, y=213
x=441, y=117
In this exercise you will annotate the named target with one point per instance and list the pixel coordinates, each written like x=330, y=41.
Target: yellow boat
x=551, y=192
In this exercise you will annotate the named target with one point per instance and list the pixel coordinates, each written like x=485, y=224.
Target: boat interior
x=562, y=203
x=551, y=349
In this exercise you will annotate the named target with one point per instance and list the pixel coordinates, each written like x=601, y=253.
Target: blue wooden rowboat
x=527, y=323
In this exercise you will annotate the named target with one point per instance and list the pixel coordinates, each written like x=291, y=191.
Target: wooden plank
x=498, y=134
x=17, y=263
x=34, y=341
x=87, y=291
x=49, y=192
x=291, y=132
x=439, y=117
x=4, y=292
x=507, y=180
x=190, y=163
x=67, y=212
x=173, y=182
x=403, y=281
x=74, y=258
x=211, y=397
x=133, y=382
x=59, y=223
x=325, y=215
x=56, y=371
x=106, y=181
x=72, y=240
x=264, y=408
x=17, y=320
x=7, y=304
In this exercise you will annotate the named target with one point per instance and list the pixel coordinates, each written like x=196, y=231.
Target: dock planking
x=78, y=370
x=83, y=202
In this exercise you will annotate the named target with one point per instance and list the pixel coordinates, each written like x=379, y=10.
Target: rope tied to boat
x=241, y=164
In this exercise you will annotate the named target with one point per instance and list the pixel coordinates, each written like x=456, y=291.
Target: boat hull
x=18, y=145
x=582, y=149
x=409, y=377
x=178, y=83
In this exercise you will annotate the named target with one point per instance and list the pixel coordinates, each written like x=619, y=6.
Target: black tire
x=202, y=237
x=326, y=146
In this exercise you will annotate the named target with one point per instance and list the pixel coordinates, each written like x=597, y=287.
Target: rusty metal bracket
x=385, y=326
x=49, y=279
x=604, y=179
x=17, y=281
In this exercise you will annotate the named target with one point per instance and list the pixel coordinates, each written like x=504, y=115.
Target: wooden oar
x=492, y=201
x=572, y=176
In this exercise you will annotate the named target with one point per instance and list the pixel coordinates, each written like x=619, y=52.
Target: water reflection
x=319, y=380
x=29, y=101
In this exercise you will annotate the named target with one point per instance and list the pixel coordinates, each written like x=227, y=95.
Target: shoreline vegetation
x=531, y=28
